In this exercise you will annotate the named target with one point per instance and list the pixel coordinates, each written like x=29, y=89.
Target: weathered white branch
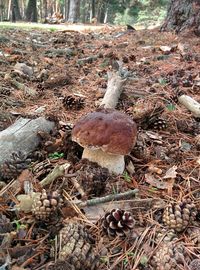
x=58, y=171
x=114, y=90
x=191, y=104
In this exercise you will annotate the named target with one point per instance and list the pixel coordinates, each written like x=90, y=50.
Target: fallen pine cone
x=46, y=205
x=179, y=215
x=168, y=256
x=195, y=264
x=73, y=103
x=117, y=223
x=158, y=124
x=77, y=247
x=12, y=168
x=165, y=235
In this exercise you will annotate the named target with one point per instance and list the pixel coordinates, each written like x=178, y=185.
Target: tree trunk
x=93, y=8
x=16, y=16
x=45, y=8
x=31, y=11
x=183, y=14
x=74, y=11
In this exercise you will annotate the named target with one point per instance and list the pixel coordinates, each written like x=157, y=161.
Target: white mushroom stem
x=114, y=163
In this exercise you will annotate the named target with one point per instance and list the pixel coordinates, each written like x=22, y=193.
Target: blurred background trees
x=180, y=13
x=104, y=11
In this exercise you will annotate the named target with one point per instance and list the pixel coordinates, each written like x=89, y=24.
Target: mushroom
x=106, y=135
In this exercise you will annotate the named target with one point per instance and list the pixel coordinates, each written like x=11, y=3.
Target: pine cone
x=12, y=168
x=168, y=256
x=6, y=226
x=77, y=247
x=46, y=206
x=157, y=124
x=71, y=102
x=92, y=177
x=195, y=264
x=179, y=215
x=42, y=169
x=194, y=235
x=4, y=91
x=165, y=235
x=118, y=223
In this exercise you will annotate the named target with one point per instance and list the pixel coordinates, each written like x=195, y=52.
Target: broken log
x=22, y=136
x=113, y=91
x=192, y=105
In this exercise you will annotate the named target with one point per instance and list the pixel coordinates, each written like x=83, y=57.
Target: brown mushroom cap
x=106, y=129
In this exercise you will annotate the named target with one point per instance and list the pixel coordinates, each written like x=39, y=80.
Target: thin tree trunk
x=45, y=8
x=83, y=15
x=9, y=8
x=31, y=11
x=67, y=9
x=74, y=11
x=93, y=8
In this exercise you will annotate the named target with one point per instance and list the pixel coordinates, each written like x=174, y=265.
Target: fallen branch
x=112, y=197
x=58, y=171
x=27, y=90
x=191, y=104
x=22, y=137
x=89, y=59
x=114, y=90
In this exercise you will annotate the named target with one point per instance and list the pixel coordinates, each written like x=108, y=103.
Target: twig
x=78, y=187
x=27, y=90
x=58, y=171
x=111, y=197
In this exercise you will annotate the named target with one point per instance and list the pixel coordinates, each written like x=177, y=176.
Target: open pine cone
x=179, y=215
x=46, y=205
x=74, y=103
x=118, y=223
x=195, y=264
x=165, y=235
x=168, y=256
x=12, y=168
x=194, y=235
x=158, y=124
x=76, y=247
x=92, y=177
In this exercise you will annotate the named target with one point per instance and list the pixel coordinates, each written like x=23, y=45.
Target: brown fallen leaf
x=155, y=182
x=171, y=173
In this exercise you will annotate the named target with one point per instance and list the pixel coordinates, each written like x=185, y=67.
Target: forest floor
x=63, y=76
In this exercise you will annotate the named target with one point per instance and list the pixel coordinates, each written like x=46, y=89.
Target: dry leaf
x=171, y=173
x=183, y=48
x=165, y=49
x=154, y=136
x=150, y=179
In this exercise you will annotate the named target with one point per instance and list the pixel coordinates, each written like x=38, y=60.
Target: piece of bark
x=22, y=136
x=114, y=90
x=191, y=104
